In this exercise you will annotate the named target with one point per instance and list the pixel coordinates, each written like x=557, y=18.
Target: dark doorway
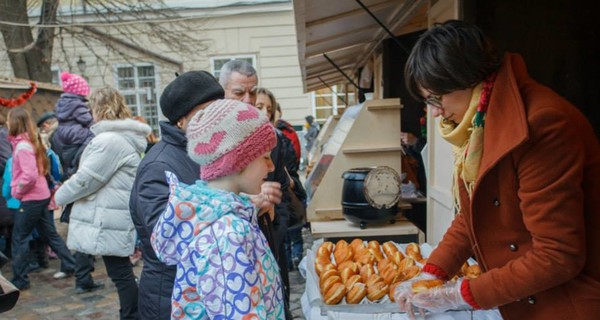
x=559, y=40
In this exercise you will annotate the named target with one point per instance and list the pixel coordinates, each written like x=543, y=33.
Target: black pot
x=355, y=206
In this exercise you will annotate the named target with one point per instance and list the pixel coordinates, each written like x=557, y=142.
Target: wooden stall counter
x=402, y=231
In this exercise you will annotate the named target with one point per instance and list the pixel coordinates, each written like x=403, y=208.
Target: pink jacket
x=27, y=183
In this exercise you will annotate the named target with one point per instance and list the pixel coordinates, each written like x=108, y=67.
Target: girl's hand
x=269, y=196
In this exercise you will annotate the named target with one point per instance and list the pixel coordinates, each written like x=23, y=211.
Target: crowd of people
x=123, y=191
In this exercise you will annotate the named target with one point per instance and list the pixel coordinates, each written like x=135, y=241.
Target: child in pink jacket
x=29, y=185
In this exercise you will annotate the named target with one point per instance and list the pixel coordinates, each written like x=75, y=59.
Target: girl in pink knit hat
x=210, y=229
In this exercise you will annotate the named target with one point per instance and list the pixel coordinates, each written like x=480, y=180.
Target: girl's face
x=252, y=177
x=263, y=103
x=451, y=106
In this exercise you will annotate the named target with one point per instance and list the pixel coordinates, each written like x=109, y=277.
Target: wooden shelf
x=369, y=150
x=387, y=104
x=344, y=228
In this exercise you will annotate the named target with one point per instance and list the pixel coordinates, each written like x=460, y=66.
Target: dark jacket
x=5, y=153
x=149, y=198
x=74, y=119
x=73, y=132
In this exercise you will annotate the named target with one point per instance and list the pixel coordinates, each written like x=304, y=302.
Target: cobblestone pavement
x=56, y=299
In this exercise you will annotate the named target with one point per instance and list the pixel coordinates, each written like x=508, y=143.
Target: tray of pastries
x=361, y=276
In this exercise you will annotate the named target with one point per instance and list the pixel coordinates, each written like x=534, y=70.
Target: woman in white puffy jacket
x=100, y=221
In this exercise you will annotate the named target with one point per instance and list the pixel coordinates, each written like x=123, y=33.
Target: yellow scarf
x=467, y=144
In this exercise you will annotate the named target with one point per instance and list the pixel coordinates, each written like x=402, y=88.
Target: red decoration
x=20, y=100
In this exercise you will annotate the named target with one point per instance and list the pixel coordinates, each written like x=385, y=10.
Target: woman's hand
x=404, y=296
x=441, y=299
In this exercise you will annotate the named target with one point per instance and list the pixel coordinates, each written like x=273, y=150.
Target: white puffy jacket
x=100, y=222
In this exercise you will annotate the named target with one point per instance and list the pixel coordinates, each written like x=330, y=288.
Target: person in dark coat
x=180, y=100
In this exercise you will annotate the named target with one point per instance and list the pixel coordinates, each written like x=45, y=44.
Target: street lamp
x=81, y=65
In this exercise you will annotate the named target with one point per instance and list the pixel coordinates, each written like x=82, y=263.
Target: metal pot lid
x=382, y=187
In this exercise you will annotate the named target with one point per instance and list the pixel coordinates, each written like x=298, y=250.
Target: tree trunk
x=29, y=59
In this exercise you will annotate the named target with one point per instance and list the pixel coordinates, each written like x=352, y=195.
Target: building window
x=218, y=62
x=327, y=102
x=56, y=75
x=137, y=83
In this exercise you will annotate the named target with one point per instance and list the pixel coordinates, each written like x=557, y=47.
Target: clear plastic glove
x=442, y=299
x=403, y=293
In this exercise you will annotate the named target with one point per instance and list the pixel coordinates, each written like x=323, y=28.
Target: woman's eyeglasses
x=433, y=101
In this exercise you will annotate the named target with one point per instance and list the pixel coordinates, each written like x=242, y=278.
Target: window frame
x=137, y=90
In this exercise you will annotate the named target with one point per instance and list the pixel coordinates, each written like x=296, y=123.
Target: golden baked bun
x=390, y=275
x=377, y=290
x=347, y=273
x=397, y=257
x=347, y=264
x=374, y=279
x=354, y=279
x=357, y=244
x=414, y=251
x=389, y=248
x=335, y=294
x=410, y=272
x=473, y=271
x=322, y=260
x=384, y=264
x=364, y=256
x=424, y=285
x=406, y=263
x=342, y=252
x=463, y=270
x=326, y=274
x=377, y=254
x=327, y=283
x=355, y=294
x=320, y=268
x=325, y=249
x=366, y=271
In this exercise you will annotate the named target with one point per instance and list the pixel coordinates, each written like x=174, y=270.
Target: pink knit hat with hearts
x=226, y=136
x=75, y=84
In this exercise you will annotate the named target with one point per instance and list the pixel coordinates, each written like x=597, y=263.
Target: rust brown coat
x=534, y=220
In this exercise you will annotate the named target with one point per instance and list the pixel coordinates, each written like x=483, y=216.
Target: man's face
x=242, y=88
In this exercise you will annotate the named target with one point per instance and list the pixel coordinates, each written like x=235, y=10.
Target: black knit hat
x=187, y=91
x=45, y=116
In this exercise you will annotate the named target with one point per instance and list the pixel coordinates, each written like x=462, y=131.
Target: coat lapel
x=506, y=121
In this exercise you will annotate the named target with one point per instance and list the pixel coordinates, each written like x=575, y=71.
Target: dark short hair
x=451, y=56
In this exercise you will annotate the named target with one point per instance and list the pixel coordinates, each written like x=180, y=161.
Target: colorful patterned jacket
x=225, y=268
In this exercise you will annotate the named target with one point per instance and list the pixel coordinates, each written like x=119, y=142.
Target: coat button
x=513, y=247
x=531, y=300
x=496, y=202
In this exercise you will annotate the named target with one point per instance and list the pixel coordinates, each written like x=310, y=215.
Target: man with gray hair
x=240, y=82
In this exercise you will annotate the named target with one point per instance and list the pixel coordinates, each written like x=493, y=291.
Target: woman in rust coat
x=527, y=183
